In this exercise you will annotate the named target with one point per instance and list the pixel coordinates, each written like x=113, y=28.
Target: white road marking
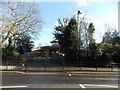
x=13, y=86
x=95, y=85
x=70, y=75
x=21, y=72
x=81, y=85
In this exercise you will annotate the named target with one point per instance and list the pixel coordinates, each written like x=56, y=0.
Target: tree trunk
x=3, y=44
x=4, y=39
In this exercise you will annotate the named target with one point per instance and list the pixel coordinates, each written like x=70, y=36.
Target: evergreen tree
x=112, y=48
x=91, y=30
x=59, y=32
x=91, y=42
x=8, y=50
x=67, y=36
x=23, y=42
x=71, y=41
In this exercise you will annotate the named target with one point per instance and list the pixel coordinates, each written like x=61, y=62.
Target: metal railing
x=53, y=66
x=30, y=62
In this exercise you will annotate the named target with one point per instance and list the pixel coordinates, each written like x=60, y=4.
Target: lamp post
x=78, y=19
x=79, y=36
x=63, y=61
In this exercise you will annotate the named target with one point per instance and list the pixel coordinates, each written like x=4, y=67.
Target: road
x=58, y=81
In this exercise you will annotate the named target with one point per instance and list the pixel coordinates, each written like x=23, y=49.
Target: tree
x=82, y=38
x=8, y=50
x=96, y=52
x=107, y=37
x=86, y=31
x=112, y=37
x=23, y=43
x=71, y=40
x=91, y=45
x=93, y=48
x=116, y=46
x=115, y=38
x=18, y=18
x=59, y=32
x=67, y=35
x=111, y=50
x=90, y=32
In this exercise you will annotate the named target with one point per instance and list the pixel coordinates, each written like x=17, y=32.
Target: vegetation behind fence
x=35, y=62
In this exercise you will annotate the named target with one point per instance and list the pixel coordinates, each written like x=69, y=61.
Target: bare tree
x=18, y=18
x=84, y=25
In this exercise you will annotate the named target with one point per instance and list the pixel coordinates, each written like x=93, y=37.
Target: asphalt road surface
x=58, y=81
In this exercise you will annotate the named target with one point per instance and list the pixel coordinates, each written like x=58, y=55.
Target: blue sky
x=101, y=13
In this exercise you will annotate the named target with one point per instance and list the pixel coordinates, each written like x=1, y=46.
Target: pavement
x=116, y=73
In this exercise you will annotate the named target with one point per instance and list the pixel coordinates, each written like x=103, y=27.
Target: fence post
x=63, y=63
x=7, y=66
x=45, y=65
x=80, y=66
x=96, y=66
x=26, y=57
x=111, y=67
x=63, y=66
x=23, y=65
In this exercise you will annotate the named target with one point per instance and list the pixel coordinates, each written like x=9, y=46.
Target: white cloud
x=85, y=3
x=88, y=18
x=48, y=29
x=56, y=23
x=57, y=0
x=95, y=20
x=112, y=20
x=97, y=38
x=82, y=3
x=41, y=43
